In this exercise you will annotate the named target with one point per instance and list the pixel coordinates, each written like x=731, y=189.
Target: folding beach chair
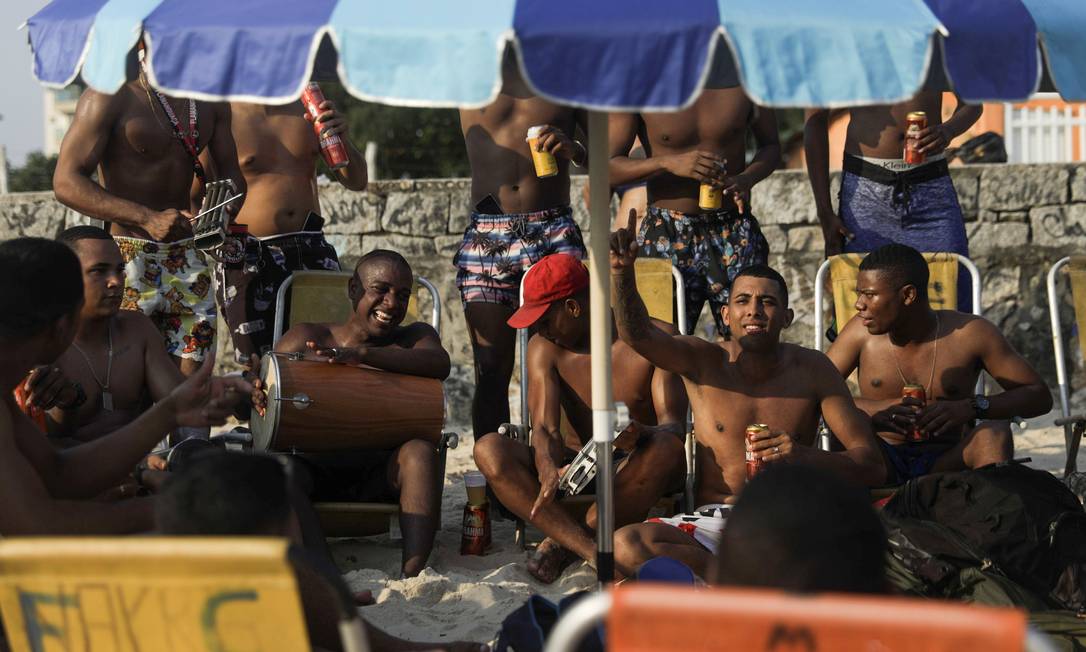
x=843, y=270
x=660, y=618
x=1073, y=425
x=143, y=593
x=661, y=287
x=321, y=296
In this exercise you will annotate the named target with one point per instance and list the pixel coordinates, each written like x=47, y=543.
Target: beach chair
x=660, y=618
x=144, y=593
x=1073, y=425
x=321, y=296
x=661, y=287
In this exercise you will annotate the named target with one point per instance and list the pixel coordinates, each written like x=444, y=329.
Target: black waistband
x=878, y=174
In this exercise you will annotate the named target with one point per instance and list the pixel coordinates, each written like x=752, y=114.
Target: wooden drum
x=316, y=406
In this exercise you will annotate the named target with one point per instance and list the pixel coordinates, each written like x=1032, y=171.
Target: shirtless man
x=46, y=491
x=517, y=219
x=116, y=362
x=277, y=153
x=752, y=378
x=145, y=174
x=705, y=143
x=884, y=199
x=525, y=479
x=896, y=338
x=379, y=290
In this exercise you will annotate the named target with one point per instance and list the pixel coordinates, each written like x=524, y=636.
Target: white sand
x=466, y=598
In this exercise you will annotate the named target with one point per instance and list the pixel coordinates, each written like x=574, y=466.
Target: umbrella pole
x=599, y=270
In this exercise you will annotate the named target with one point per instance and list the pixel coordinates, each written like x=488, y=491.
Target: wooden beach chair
x=1073, y=424
x=143, y=593
x=661, y=287
x=660, y=618
x=321, y=296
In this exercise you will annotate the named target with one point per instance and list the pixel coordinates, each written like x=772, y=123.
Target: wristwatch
x=980, y=404
x=79, y=400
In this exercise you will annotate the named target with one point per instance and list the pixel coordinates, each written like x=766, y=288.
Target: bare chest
x=950, y=372
x=283, y=141
x=716, y=121
x=507, y=120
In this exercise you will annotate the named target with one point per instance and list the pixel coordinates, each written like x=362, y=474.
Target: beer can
x=754, y=465
x=915, y=392
x=332, y=147
x=545, y=163
x=475, y=535
x=915, y=122
x=710, y=197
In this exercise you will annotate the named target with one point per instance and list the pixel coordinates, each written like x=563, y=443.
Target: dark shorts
x=918, y=208
x=353, y=476
x=250, y=274
x=498, y=249
x=908, y=461
x=708, y=248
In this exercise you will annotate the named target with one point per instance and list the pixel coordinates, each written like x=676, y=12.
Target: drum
x=316, y=406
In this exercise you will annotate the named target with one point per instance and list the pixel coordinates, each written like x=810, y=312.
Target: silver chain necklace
x=107, y=396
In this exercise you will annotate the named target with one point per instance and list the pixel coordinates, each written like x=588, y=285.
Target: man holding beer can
x=756, y=403
x=699, y=185
x=280, y=230
x=895, y=186
x=918, y=370
x=520, y=148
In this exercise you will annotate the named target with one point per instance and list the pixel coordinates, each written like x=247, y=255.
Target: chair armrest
x=515, y=431
x=448, y=440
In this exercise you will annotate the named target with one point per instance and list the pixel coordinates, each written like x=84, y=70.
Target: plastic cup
x=710, y=197
x=545, y=163
x=475, y=482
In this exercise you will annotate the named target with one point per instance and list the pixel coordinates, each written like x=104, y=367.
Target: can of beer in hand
x=915, y=392
x=915, y=122
x=754, y=465
x=710, y=197
x=332, y=147
x=544, y=162
x=475, y=535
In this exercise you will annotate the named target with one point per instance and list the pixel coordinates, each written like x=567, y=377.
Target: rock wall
x=1020, y=219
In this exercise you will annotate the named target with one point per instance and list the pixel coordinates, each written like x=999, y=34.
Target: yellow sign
x=149, y=594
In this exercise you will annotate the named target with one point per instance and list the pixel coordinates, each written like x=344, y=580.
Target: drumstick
x=217, y=206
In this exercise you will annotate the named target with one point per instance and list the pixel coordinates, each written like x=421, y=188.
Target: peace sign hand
x=624, y=245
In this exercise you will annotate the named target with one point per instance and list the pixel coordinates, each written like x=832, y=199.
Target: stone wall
x=1019, y=218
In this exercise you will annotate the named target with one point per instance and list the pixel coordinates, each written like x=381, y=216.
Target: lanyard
x=188, y=140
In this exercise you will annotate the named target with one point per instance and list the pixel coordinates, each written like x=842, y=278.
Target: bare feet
x=549, y=560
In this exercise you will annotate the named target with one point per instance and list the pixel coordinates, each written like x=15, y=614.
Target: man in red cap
x=526, y=478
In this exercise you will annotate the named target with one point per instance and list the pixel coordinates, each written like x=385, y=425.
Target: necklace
x=189, y=140
x=934, y=357
x=107, y=396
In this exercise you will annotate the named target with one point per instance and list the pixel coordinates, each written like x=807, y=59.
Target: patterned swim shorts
x=708, y=248
x=249, y=278
x=705, y=525
x=497, y=249
x=170, y=283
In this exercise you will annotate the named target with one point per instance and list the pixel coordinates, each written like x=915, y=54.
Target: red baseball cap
x=555, y=277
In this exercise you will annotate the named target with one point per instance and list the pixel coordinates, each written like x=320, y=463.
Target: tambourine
x=582, y=470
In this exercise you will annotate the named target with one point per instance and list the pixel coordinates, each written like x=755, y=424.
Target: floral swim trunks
x=498, y=249
x=170, y=282
x=709, y=249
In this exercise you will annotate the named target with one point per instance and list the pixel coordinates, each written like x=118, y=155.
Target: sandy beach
x=466, y=598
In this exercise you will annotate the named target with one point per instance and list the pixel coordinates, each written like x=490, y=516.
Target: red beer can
x=332, y=147
x=915, y=122
x=754, y=466
x=916, y=392
x=475, y=535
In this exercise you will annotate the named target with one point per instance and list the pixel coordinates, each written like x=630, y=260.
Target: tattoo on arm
x=633, y=315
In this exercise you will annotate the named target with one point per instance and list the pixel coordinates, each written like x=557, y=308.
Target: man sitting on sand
x=525, y=478
x=379, y=291
x=897, y=339
x=46, y=491
x=117, y=361
x=260, y=505
x=751, y=379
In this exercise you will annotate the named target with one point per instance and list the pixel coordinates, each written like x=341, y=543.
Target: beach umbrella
x=602, y=55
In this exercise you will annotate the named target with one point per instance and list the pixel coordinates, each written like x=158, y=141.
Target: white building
x=59, y=108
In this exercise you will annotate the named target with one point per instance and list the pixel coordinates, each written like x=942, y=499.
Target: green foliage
x=35, y=175
x=414, y=143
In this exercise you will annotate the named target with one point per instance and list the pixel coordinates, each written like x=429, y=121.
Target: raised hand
x=331, y=120
x=624, y=245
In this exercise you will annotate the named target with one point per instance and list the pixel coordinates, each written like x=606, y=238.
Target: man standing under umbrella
x=884, y=199
x=517, y=218
x=145, y=147
x=702, y=145
x=277, y=152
